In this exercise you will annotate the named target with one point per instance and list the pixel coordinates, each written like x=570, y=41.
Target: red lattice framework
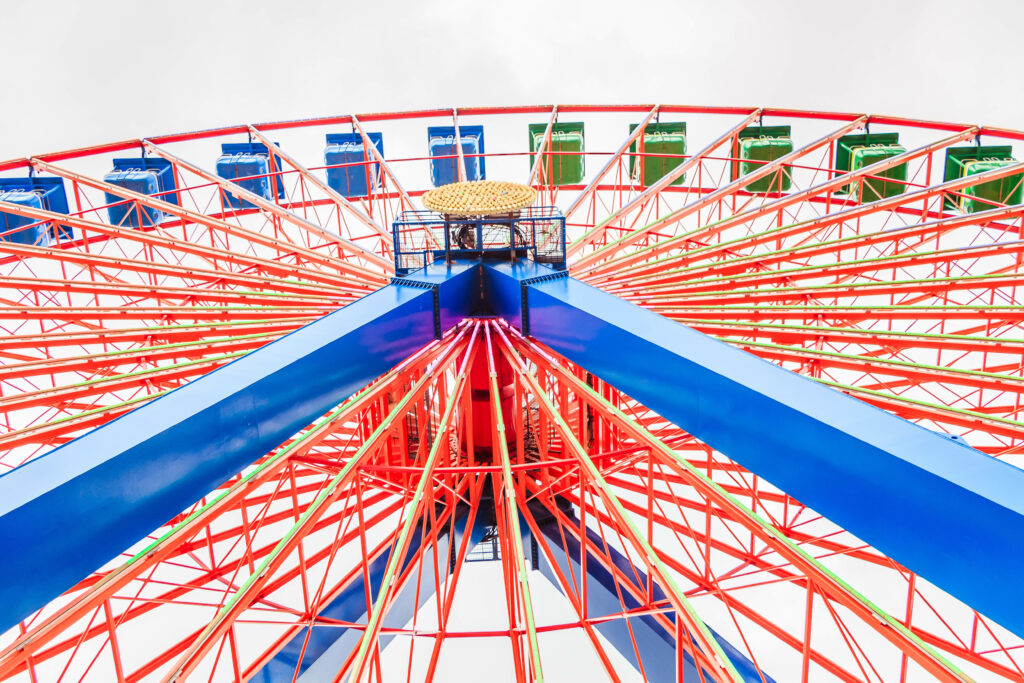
x=902, y=302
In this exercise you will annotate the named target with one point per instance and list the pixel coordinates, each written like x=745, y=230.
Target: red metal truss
x=911, y=302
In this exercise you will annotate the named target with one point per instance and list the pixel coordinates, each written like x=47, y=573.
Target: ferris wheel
x=626, y=393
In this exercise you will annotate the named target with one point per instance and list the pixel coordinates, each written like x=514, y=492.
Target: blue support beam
x=950, y=513
x=324, y=649
x=656, y=645
x=65, y=514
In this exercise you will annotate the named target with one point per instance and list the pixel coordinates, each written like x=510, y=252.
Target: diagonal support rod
x=510, y=512
x=711, y=654
x=654, y=190
x=340, y=201
x=413, y=513
x=592, y=185
x=248, y=592
x=592, y=260
x=825, y=581
x=276, y=210
x=774, y=422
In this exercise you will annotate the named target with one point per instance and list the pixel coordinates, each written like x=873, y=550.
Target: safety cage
x=537, y=233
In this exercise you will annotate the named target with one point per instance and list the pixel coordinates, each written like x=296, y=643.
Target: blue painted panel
x=441, y=142
x=244, y=159
x=502, y=286
x=460, y=295
x=232, y=166
x=51, y=190
x=126, y=213
x=656, y=645
x=347, y=148
x=12, y=226
x=77, y=507
x=329, y=646
x=161, y=167
x=948, y=512
x=51, y=196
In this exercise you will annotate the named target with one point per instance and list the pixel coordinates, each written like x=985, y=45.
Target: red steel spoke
x=911, y=302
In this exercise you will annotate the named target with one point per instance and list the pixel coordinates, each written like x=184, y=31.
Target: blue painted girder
x=657, y=646
x=324, y=649
x=327, y=647
x=948, y=512
x=65, y=514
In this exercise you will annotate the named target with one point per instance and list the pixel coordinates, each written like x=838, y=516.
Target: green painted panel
x=659, y=138
x=566, y=163
x=876, y=188
x=755, y=152
x=957, y=160
x=990, y=195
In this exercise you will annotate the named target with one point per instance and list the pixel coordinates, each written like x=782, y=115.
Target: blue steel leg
x=329, y=646
x=950, y=513
x=657, y=646
x=68, y=512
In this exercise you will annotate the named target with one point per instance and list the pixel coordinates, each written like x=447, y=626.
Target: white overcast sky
x=80, y=73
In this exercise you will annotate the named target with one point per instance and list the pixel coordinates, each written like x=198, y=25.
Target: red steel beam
x=350, y=248
x=839, y=269
x=236, y=494
x=594, y=260
x=598, y=231
x=592, y=185
x=341, y=202
x=640, y=257
x=807, y=250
